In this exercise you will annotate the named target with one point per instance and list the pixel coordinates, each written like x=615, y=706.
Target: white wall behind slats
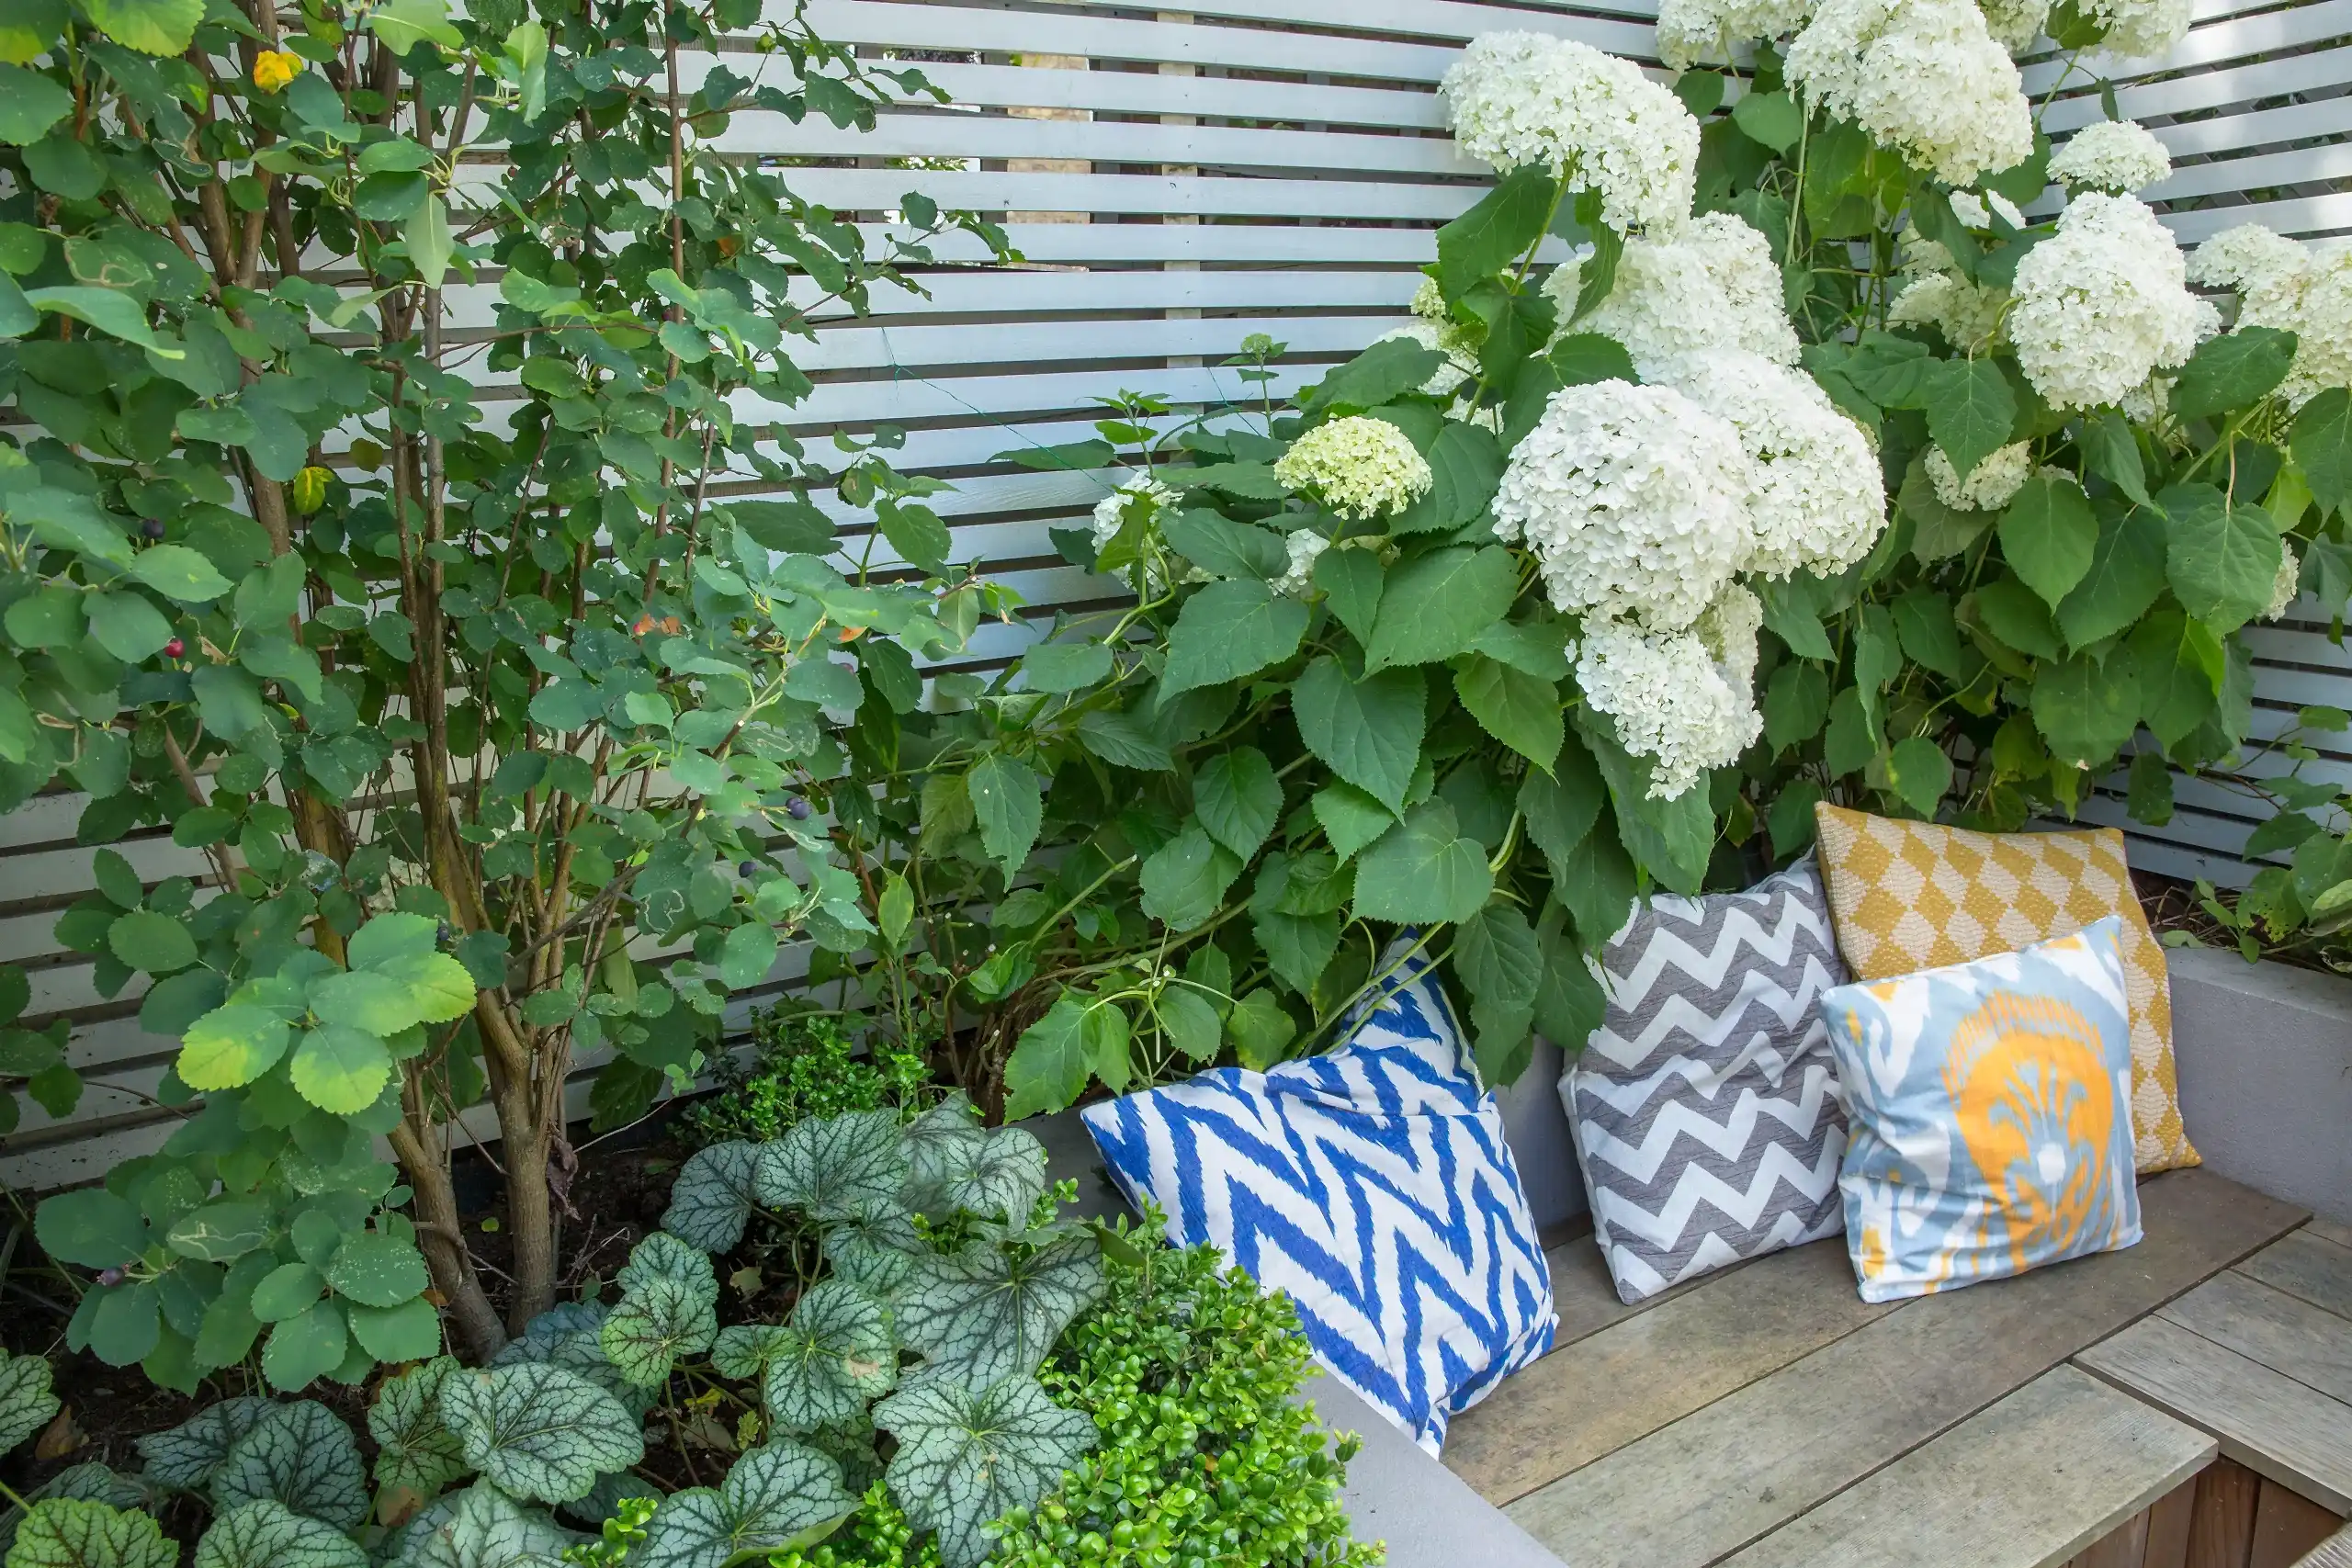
x=1180, y=179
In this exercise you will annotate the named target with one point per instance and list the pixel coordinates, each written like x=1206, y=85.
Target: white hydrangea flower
x=2140, y=29
x=2101, y=303
x=1671, y=699
x=2015, y=24
x=1461, y=362
x=2119, y=155
x=1989, y=485
x=1972, y=211
x=2287, y=585
x=1357, y=466
x=1712, y=283
x=1729, y=629
x=1634, y=501
x=1592, y=118
x=1817, y=500
x=2305, y=289
x=1692, y=31
x=2149, y=401
x=1923, y=76
x=1968, y=314
x=1110, y=511
x=1306, y=545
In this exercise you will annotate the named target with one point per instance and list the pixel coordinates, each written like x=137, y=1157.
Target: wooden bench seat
x=1770, y=1402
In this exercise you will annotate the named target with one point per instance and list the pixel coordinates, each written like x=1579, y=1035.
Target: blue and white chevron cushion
x=1372, y=1184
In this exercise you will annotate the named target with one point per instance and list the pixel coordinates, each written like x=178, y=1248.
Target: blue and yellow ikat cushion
x=1991, y=1115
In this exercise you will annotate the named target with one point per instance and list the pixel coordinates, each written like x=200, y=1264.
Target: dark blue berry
x=747, y=868
x=799, y=810
x=110, y=1277
x=152, y=528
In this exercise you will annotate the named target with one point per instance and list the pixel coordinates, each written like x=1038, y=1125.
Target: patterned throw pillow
x=1992, y=1115
x=1909, y=896
x=1372, y=1184
x=1705, y=1107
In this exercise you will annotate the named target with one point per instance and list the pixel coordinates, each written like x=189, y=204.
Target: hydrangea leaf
x=780, y=1495
x=70, y=1533
x=26, y=1400
x=834, y=1169
x=480, y=1528
x=265, y=1534
x=539, y=1431
x=663, y=1257
x=301, y=1455
x=711, y=1201
x=968, y=1456
x=991, y=1315
x=187, y=1456
x=838, y=1353
x=415, y=1453
x=659, y=1320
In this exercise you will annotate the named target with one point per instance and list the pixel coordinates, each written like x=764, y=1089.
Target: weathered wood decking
x=1767, y=1416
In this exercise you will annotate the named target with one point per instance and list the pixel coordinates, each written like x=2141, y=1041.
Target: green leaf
x=1561, y=809
x=2048, y=536
x=91, y=1227
x=125, y=1326
x=187, y=1456
x=126, y=626
x=1921, y=773
x=2181, y=665
x=2127, y=573
x=2231, y=371
x=539, y=1431
x=1496, y=953
x=1496, y=230
x=1434, y=606
x=659, y=1321
x=1184, y=879
x=1350, y=817
x=1065, y=666
x=1009, y=805
x=1772, y=118
x=2016, y=615
x=1569, y=1004
x=1223, y=547
x=2149, y=796
x=30, y=104
x=286, y=1292
x=1796, y=702
x=663, y=1257
x=409, y=1332
x=1793, y=619
x=1423, y=870
x=219, y=1232
x=2112, y=452
x=299, y=1455
x=378, y=1271
x=1465, y=469
x=837, y=1354
x=987, y=1313
x=1670, y=839
x=233, y=1045
x=1227, y=630
x=2322, y=443
x=1369, y=731
x=1261, y=1031
x=414, y=1451
x=426, y=233
x=747, y=954
x=1119, y=740
x=967, y=1457
x=1517, y=708
x=265, y=1534
x=363, y=999
x=340, y=1069
x=27, y=1402
x=1352, y=581
x=961, y=1167
x=2087, y=710
x=63, y=1532
x=1537, y=647
x=1189, y=1019
x=2222, y=556
x=229, y=700
x=156, y=943
x=780, y=1495
x=306, y=1347
x=1050, y=1063
x=180, y=573
x=483, y=1528
x=1970, y=409
x=1923, y=621
x=108, y=309
x=1385, y=370
x=1237, y=798
x=711, y=1201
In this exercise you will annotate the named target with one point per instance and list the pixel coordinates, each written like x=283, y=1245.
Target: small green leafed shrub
x=804, y=1065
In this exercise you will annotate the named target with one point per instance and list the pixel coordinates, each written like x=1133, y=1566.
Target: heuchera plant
x=404, y=531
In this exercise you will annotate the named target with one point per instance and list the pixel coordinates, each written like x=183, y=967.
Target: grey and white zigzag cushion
x=1705, y=1108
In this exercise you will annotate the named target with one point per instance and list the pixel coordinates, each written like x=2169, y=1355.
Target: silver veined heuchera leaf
x=266, y=1534
x=68, y=1533
x=571, y=1338
x=780, y=1495
x=879, y=1252
x=989, y=1315
x=838, y=1354
x=301, y=1455
x=711, y=1201
x=480, y=1528
x=659, y=1320
x=742, y=1348
x=967, y=1455
x=187, y=1456
x=539, y=1431
x=834, y=1168
x=663, y=1257
x=414, y=1452
x=26, y=1400
x=999, y=1176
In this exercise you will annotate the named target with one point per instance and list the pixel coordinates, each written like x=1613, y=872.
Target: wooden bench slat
x=1636, y=1375
x=2304, y=1263
x=2029, y=1482
x=1724, y=1476
x=2266, y=1421
x=2287, y=1336
x=2336, y=1551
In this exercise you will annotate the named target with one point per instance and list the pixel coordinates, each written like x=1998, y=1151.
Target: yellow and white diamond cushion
x=1911, y=895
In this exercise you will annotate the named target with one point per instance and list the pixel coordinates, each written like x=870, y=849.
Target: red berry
x=174, y=648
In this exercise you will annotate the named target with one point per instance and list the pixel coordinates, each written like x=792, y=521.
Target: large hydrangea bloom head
x=1672, y=699
x=1634, y=501
x=1923, y=76
x=1968, y=314
x=1710, y=283
x=2286, y=587
x=1593, y=120
x=2119, y=155
x=1997, y=476
x=1357, y=466
x=2140, y=30
x=1141, y=495
x=1816, y=498
x=2101, y=303
x=2305, y=289
x=2015, y=24
x=1692, y=31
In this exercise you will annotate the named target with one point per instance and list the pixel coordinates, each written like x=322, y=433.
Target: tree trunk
x=526, y=1135
x=441, y=1235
